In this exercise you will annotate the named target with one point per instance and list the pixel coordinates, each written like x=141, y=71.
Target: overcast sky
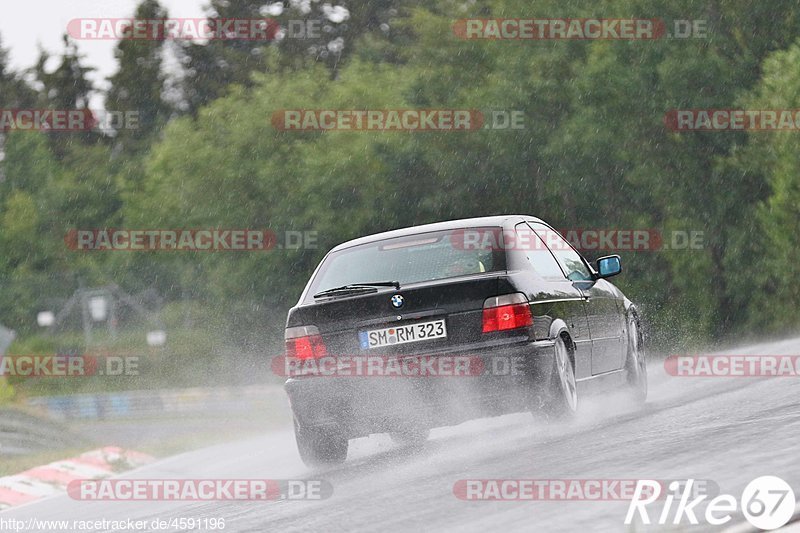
x=25, y=24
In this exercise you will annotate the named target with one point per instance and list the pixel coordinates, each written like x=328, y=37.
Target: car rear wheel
x=320, y=447
x=562, y=401
x=636, y=362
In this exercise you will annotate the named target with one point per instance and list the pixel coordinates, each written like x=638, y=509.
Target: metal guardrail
x=21, y=433
x=159, y=403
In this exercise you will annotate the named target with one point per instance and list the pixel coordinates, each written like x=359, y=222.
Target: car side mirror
x=608, y=266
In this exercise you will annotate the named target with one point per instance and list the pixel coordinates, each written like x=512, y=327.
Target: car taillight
x=304, y=342
x=510, y=311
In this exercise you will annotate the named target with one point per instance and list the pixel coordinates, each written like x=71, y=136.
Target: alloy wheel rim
x=567, y=376
x=639, y=363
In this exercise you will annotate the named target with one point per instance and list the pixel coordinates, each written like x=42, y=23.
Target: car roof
x=502, y=221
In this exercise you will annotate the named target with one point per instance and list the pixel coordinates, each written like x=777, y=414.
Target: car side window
x=538, y=255
x=568, y=258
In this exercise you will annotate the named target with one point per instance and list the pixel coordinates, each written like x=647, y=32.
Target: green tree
x=768, y=252
x=212, y=67
x=28, y=253
x=138, y=86
x=14, y=92
x=66, y=88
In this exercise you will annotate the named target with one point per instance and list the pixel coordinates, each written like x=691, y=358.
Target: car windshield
x=410, y=259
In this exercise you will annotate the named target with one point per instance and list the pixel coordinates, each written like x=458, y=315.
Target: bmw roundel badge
x=397, y=301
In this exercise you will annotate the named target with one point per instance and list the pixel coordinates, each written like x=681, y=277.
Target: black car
x=533, y=324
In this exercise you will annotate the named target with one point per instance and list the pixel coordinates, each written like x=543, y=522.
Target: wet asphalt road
x=729, y=430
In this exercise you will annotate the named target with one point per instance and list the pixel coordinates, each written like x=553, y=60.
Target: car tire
x=320, y=447
x=636, y=361
x=562, y=400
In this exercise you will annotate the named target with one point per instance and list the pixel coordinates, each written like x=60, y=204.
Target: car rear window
x=411, y=259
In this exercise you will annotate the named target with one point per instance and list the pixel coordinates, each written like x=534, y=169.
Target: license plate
x=423, y=331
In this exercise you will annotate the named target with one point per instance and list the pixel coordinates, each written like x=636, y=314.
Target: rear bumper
x=511, y=378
